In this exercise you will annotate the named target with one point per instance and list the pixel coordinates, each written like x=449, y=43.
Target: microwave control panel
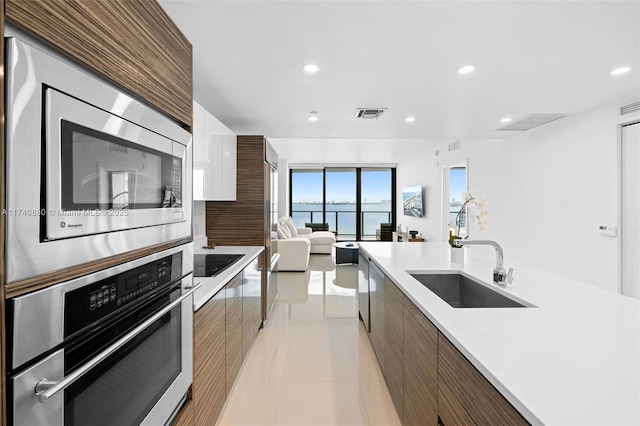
x=94, y=302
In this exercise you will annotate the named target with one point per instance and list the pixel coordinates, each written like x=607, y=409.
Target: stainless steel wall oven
x=111, y=348
x=91, y=172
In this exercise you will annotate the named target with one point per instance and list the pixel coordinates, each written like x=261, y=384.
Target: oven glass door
x=124, y=388
x=105, y=173
x=141, y=381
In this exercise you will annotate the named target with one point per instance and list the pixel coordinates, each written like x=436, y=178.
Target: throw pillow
x=292, y=227
x=281, y=223
x=283, y=232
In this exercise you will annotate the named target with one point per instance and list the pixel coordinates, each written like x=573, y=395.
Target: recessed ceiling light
x=620, y=71
x=505, y=120
x=311, y=68
x=466, y=69
x=313, y=116
x=409, y=119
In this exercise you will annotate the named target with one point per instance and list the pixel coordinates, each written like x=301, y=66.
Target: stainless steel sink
x=462, y=291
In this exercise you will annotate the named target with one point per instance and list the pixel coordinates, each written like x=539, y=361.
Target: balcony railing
x=344, y=222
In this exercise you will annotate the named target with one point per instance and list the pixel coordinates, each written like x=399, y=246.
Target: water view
x=330, y=196
x=342, y=217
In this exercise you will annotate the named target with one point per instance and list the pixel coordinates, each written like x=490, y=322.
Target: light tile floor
x=313, y=363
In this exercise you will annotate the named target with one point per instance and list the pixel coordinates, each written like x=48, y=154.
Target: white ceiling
x=531, y=57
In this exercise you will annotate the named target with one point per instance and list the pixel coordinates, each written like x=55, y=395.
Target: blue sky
x=341, y=186
x=457, y=183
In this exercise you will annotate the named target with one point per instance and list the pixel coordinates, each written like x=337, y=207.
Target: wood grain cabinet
x=233, y=332
x=225, y=327
x=429, y=380
x=466, y=396
x=376, y=303
x=209, y=362
x=247, y=221
x=132, y=43
x=393, y=353
x=420, y=368
x=185, y=417
x=214, y=158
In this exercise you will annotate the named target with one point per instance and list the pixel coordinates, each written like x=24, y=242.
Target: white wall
x=426, y=169
x=347, y=151
x=548, y=190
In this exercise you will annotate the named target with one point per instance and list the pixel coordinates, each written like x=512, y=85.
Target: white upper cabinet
x=214, y=158
x=229, y=164
x=198, y=149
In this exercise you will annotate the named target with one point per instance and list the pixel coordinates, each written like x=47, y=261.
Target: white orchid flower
x=480, y=218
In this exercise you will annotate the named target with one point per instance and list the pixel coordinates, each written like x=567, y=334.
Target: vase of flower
x=457, y=252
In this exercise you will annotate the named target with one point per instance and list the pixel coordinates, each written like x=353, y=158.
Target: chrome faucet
x=500, y=275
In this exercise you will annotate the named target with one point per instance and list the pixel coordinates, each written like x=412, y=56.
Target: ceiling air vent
x=629, y=108
x=369, y=113
x=531, y=121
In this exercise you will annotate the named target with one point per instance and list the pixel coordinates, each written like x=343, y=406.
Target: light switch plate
x=608, y=231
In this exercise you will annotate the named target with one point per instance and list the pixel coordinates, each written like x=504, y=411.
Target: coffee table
x=346, y=253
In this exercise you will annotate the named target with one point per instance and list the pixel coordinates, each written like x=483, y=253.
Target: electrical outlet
x=608, y=231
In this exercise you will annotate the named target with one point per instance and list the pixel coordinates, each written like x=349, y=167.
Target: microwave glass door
x=104, y=172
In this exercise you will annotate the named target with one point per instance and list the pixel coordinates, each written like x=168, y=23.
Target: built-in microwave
x=91, y=171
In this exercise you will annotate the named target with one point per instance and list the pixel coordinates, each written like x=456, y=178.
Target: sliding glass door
x=375, y=201
x=307, y=197
x=352, y=202
x=340, y=202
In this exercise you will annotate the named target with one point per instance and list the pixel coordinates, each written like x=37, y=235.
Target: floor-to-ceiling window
x=353, y=201
x=307, y=196
x=376, y=200
x=340, y=201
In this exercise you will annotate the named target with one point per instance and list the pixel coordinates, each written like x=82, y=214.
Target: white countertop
x=574, y=359
x=211, y=285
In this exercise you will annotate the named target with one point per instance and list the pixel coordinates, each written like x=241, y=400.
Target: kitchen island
x=572, y=359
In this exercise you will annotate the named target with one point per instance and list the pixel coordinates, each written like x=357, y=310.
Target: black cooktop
x=210, y=265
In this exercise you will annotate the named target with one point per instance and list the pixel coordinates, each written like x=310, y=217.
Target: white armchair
x=294, y=254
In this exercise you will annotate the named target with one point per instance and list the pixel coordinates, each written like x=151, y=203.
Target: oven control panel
x=102, y=297
x=91, y=303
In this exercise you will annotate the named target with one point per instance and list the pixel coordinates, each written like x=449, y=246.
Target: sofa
x=295, y=245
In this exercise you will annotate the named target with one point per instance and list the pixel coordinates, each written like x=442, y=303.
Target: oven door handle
x=46, y=389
